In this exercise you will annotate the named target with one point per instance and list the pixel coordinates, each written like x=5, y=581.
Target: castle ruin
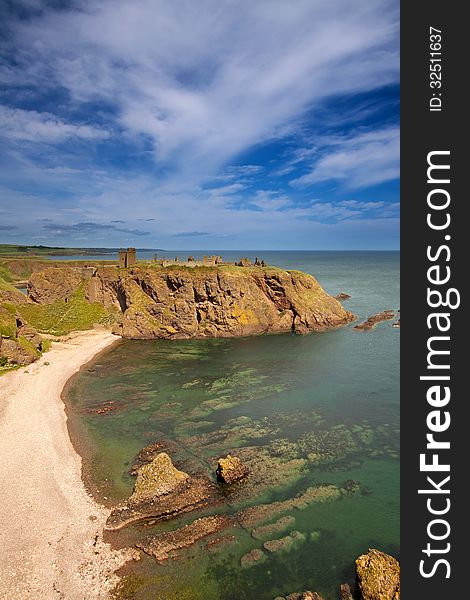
x=127, y=258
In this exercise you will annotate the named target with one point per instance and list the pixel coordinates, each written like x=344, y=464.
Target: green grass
x=5, y=280
x=7, y=321
x=60, y=318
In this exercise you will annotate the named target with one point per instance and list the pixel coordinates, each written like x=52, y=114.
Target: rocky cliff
x=178, y=302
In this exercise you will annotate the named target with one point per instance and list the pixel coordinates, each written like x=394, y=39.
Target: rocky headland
x=178, y=302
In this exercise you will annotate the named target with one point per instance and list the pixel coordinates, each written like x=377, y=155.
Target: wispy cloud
x=362, y=160
x=205, y=80
x=33, y=126
x=116, y=113
x=89, y=228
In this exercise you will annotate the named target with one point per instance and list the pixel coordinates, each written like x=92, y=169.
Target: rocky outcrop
x=179, y=302
x=372, y=321
x=53, y=284
x=342, y=296
x=157, y=478
x=161, y=491
x=378, y=576
x=20, y=344
x=231, y=469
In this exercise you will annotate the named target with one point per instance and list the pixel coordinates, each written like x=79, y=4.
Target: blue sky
x=216, y=124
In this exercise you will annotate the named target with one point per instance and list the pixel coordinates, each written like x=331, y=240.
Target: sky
x=216, y=124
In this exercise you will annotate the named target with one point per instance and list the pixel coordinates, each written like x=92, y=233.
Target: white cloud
x=359, y=161
x=32, y=126
x=206, y=80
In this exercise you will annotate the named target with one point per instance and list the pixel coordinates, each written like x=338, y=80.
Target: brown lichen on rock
x=378, y=576
x=231, y=469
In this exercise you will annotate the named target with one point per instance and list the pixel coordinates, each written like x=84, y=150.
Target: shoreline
x=50, y=526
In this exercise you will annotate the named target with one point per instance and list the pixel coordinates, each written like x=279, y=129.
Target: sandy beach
x=50, y=528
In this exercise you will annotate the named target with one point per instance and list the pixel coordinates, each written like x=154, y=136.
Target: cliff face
x=154, y=302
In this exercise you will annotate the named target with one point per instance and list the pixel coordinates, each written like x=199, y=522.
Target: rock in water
x=157, y=478
x=231, y=469
x=372, y=321
x=378, y=576
x=162, y=492
x=345, y=591
x=308, y=595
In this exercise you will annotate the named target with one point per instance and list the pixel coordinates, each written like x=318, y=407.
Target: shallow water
x=322, y=408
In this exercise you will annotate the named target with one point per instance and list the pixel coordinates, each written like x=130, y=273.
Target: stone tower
x=127, y=258
x=131, y=257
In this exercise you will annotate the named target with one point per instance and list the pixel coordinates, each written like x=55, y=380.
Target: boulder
x=378, y=576
x=231, y=469
x=157, y=478
x=345, y=592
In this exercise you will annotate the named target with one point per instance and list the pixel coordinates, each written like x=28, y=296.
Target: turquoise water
x=300, y=410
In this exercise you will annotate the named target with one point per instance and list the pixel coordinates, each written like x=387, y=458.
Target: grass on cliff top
x=60, y=318
x=201, y=269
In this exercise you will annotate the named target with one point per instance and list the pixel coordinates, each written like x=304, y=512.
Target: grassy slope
x=60, y=318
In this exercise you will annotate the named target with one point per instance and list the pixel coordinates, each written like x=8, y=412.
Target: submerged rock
x=253, y=557
x=285, y=543
x=249, y=517
x=378, y=576
x=372, y=321
x=161, y=545
x=231, y=469
x=281, y=524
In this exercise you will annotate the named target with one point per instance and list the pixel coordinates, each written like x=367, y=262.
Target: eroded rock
x=155, y=302
x=231, y=469
x=157, y=478
x=372, y=321
x=378, y=576
x=161, y=492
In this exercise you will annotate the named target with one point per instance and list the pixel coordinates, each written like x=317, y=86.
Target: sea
x=303, y=411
